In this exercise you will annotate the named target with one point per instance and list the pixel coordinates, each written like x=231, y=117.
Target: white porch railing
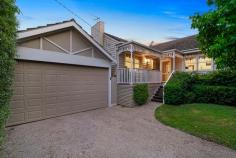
x=129, y=76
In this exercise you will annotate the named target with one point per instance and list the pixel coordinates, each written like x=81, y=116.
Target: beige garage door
x=44, y=90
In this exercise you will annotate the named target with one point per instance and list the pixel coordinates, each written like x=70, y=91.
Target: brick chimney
x=97, y=32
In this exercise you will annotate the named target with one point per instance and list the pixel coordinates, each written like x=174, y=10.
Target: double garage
x=60, y=70
x=43, y=90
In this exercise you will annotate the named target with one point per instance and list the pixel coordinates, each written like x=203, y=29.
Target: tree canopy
x=217, y=32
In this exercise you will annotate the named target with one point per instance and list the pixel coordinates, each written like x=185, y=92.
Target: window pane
x=190, y=64
x=127, y=61
x=204, y=63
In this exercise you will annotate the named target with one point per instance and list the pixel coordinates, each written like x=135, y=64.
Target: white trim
x=68, y=24
x=57, y=57
x=56, y=45
x=82, y=50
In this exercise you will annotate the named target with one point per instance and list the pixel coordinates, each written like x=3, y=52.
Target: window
x=190, y=64
x=148, y=62
x=204, y=63
x=128, y=61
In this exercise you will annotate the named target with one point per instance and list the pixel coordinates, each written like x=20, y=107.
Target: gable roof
x=181, y=44
x=116, y=38
x=141, y=45
x=61, y=25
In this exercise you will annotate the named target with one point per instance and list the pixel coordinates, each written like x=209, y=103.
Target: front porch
x=140, y=64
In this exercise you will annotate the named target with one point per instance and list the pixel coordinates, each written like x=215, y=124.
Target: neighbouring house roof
x=182, y=44
x=30, y=32
x=116, y=38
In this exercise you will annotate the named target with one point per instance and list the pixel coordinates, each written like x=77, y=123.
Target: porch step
x=158, y=96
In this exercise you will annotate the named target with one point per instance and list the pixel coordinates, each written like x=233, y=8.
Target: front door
x=166, y=70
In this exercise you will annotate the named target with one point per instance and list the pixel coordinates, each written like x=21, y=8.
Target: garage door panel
x=16, y=118
x=18, y=104
x=44, y=90
x=34, y=115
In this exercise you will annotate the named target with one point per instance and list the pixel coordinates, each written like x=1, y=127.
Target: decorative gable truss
x=66, y=41
x=66, y=37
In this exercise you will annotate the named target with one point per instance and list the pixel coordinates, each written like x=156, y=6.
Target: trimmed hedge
x=140, y=93
x=218, y=87
x=8, y=28
x=215, y=94
x=217, y=78
x=178, y=85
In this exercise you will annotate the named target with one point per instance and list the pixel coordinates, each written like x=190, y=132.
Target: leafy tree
x=8, y=28
x=217, y=32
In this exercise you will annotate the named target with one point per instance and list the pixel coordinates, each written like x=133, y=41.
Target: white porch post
x=132, y=64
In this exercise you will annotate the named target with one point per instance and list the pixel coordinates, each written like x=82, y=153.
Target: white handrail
x=165, y=85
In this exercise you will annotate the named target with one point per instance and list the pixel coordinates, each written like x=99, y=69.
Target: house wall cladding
x=110, y=45
x=125, y=94
x=45, y=90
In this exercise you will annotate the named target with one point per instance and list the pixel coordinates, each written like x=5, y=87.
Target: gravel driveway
x=115, y=132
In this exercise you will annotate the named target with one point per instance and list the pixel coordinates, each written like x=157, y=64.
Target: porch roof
x=135, y=46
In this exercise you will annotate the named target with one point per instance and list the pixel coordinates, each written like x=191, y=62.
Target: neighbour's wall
x=64, y=41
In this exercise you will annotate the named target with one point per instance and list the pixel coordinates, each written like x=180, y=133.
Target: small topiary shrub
x=140, y=93
x=177, y=88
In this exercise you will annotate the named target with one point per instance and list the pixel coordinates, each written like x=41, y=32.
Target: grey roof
x=116, y=38
x=33, y=28
x=185, y=43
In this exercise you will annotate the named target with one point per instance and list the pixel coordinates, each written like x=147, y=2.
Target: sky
x=140, y=20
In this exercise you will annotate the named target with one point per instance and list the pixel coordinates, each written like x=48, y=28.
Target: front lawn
x=209, y=121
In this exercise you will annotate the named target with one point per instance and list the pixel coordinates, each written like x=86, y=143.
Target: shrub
x=177, y=88
x=8, y=27
x=215, y=87
x=217, y=78
x=140, y=93
x=215, y=94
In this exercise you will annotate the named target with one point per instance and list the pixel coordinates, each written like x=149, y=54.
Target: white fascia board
x=31, y=54
x=46, y=29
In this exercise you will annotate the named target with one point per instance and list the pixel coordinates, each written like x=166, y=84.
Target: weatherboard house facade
x=61, y=69
x=154, y=64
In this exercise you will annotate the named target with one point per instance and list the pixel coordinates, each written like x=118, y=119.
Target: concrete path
x=108, y=133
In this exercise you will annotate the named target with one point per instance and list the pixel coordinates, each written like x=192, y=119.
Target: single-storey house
x=61, y=69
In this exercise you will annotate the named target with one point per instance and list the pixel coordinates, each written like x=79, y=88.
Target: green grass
x=209, y=121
